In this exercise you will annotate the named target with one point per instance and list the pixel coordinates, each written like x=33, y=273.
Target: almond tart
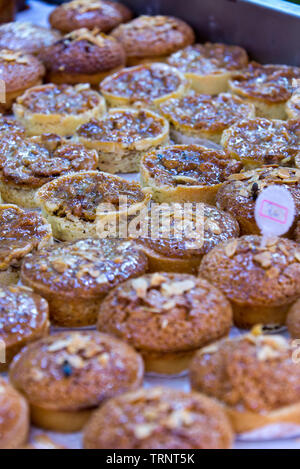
x=208, y=67
x=186, y=173
x=58, y=109
x=75, y=277
x=253, y=376
x=67, y=375
x=26, y=37
x=122, y=136
x=261, y=280
x=195, y=118
x=159, y=418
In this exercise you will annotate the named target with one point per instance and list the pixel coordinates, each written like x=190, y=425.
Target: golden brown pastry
x=26, y=37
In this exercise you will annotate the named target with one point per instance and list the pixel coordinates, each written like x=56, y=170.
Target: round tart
x=238, y=195
x=152, y=38
x=28, y=163
x=255, y=378
x=23, y=319
x=293, y=320
x=67, y=375
x=293, y=106
x=75, y=277
x=101, y=14
x=20, y=233
x=166, y=317
x=14, y=417
x=76, y=204
x=197, y=117
x=159, y=418
x=186, y=173
x=59, y=109
x=83, y=56
x=122, y=136
x=149, y=84
x=259, y=141
x=19, y=71
x=208, y=67
x=268, y=87
x=175, y=237
x=260, y=280
x=26, y=37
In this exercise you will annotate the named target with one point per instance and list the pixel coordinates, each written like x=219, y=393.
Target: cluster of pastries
x=102, y=93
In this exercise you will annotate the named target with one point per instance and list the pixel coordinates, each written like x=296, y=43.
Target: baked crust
x=83, y=369
x=186, y=173
x=238, y=195
x=293, y=106
x=26, y=37
x=260, y=141
x=293, y=320
x=159, y=418
x=83, y=56
x=59, y=109
x=75, y=277
x=122, y=136
x=14, y=417
x=101, y=14
x=254, y=376
x=23, y=319
x=153, y=36
x=199, y=116
x=209, y=66
x=261, y=281
x=149, y=84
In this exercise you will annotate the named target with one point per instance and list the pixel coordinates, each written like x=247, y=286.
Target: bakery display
x=261, y=280
x=153, y=38
x=75, y=277
x=159, y=418
x=26, y=37
x=23, y=319
x=20, y=233
x=83, y=369
x=195, y=117
x=102, y=14
x=293, y=320
x=254, y=377
x=268, y=87
x=58, y=109
x=122, y=136
x=208, y=67
x=186, y=173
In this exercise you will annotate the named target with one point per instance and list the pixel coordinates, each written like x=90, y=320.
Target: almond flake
x=257, y=330
x=267, y=353
x=164, y=323
x=273, y=272
x=230, y=248
x=144, y=430
x=264, y=259
x=177, y=288
x=157, y=280
x=297, y=256
x=169, y=305
x=140, y=286
x=283, y=173
x=103, y=359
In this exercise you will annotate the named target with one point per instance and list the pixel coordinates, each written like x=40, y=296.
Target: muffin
x=59, y=109
x=148, y=84
x=260, y=280
x=90, y=14
x=77, y=204
x=209, y=66
x=20, y=233
x=75, y=277
x=268, y=87
x=293, y=320
x=238, y=195
x=153, y=38
x=255, y=378
x=19, y=71
x=122, y=136
x=293, y=106
x=159, y=418
x=83, y=56
x=26, y=37
x=67, y=375
x=186, y=173
x=175, y=237
x=197, y=117
x=258, y=141
x=23, y=319
x=166, y=318
x=14, y=418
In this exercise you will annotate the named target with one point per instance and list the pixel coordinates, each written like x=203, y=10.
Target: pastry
x=195, y=117
x=58, y=109
x=26, y=37
x=122, y=136
x=293, y=320
x=82, y=370
x=75, y=277
x=260, y=280
x=293, y=106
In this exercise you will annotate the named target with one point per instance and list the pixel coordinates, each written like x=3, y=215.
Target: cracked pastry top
x=26, y=37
